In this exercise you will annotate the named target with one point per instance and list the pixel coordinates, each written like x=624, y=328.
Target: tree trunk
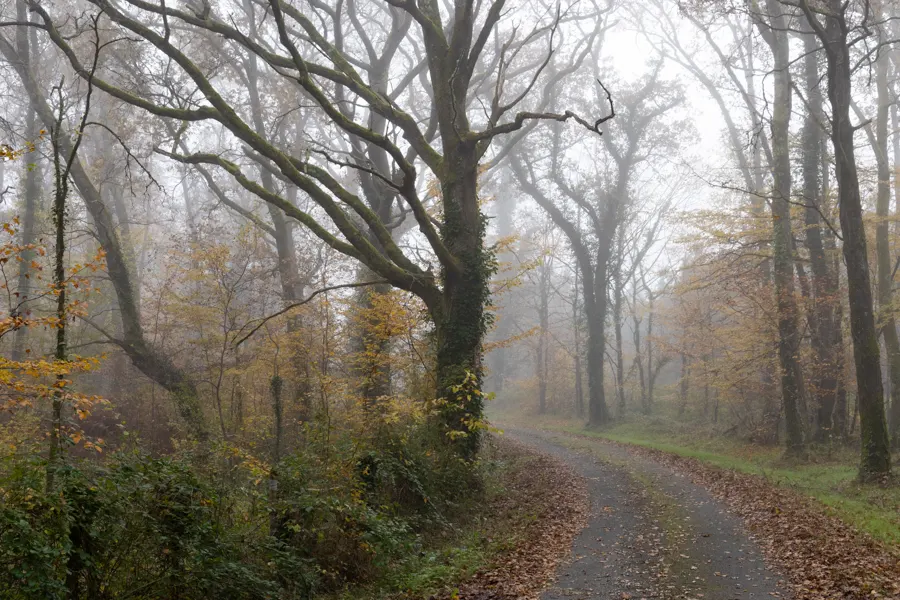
x=598, y=412
x=638, y=349
x=651, y=368
x=840, y=417
x=32, y=190
x=876, y=458
x=620, y=355
x=276, y=521
x=460, y=322
x=894, y=415
x=823, y=336
x=544, y=324
x=882, y=236
x=576, y=328
x=782, y=255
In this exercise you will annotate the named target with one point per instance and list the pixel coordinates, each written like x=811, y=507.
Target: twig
x=306, y=300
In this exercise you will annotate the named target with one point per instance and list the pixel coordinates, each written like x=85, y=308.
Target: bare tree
x=604, y=200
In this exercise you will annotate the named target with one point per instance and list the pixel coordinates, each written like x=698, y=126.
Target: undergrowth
x=488, y=526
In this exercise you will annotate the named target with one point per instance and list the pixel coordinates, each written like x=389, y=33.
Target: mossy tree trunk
x=461, y=322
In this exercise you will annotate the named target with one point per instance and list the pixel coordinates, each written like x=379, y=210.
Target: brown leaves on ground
x=548, y=504
x=824, y=557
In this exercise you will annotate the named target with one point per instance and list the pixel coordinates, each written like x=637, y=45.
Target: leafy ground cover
x=835, y=538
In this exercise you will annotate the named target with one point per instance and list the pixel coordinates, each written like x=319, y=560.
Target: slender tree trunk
x=840, y=416
x=275, y=520
x=61, y=353
x=876, y=457
x=651, y=376
x=782, y=255
x=638, y=349
x=824, y=285
x=706, y=394
x=576, y=330
x=894, y=415
x=32, y=184
x=683, y=384
x=886, y=319
x=620, y=354
x=544, y=325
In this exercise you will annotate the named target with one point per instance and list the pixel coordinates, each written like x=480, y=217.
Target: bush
x=333, y=513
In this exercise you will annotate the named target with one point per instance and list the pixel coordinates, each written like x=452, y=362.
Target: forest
x=448, y=299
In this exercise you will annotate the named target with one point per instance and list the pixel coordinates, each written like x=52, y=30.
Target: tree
x=878, y=139
x=832, y=25
x=604, y=196
x=453, y=64
x=773, y=28
x=26, y=47
x=824, y=312
x=145, y=357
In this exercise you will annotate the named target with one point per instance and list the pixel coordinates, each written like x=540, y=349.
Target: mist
x=390, y=298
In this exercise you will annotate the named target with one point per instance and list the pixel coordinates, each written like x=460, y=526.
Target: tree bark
x=876, y=458
x=32, y=191
x=461, y=322
x=782, y=255
x=824, y=330
x=887, y=320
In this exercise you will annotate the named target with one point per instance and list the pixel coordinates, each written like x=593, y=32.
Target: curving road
x=652, y=533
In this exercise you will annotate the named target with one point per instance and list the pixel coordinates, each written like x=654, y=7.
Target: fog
x=263, y=235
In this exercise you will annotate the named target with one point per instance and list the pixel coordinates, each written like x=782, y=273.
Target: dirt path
x=651, y=532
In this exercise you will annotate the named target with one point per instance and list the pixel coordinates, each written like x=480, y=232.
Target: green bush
x=330, y=515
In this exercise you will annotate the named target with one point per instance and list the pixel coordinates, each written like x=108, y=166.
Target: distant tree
x=604, y=198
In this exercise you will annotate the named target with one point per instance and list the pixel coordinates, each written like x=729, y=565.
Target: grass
x=829, y=477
